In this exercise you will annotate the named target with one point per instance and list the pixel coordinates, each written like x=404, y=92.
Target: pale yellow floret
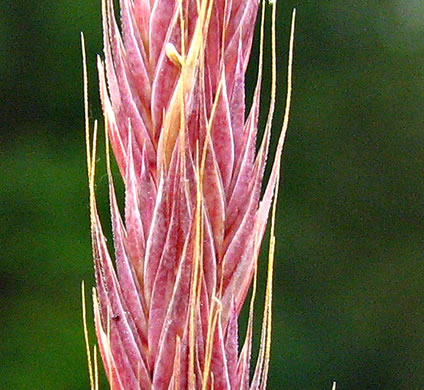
x=189, y=67
x=262, y=366
x=92, y=370
x=215, y=311
x=91, y=158
x=196, y=278
x=271, y=254
x=173, y=54
x=86, y=338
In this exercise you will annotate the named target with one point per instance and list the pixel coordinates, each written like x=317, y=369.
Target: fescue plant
x=172, y=88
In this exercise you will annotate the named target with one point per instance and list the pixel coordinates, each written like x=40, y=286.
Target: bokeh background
x=349, y=267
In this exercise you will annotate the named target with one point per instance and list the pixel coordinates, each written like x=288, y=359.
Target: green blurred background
x=349, y=265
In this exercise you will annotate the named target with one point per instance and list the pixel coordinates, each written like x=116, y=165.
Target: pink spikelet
x=186, y=248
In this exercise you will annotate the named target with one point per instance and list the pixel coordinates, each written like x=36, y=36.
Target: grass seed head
x=172, y=87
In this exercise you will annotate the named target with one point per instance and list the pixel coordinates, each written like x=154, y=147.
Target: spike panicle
x=172, y=92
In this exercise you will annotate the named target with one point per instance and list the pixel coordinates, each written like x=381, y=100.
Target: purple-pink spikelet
x=172, y=91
